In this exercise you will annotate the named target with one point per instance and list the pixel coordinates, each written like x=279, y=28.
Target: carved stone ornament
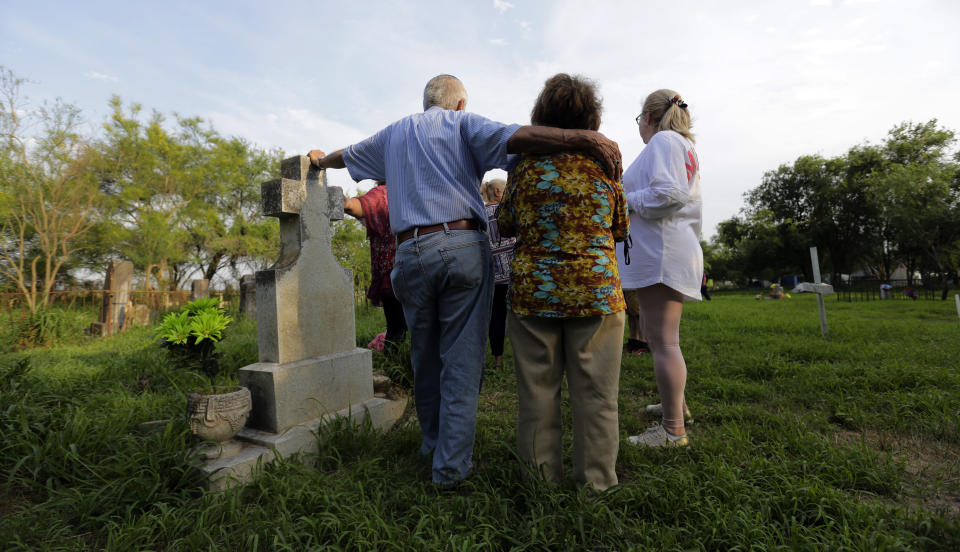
x=218, y=418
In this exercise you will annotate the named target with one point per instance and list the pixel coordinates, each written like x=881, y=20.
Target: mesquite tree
x=49, y=200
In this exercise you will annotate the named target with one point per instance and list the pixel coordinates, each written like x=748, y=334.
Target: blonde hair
x=488, y=188
x=669, y=112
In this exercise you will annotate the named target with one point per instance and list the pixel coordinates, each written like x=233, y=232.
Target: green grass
x=47, y=327
x=800, y=443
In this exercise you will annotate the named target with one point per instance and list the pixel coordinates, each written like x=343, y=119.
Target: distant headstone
x=137, y=315
x=199, y=289
x=248, y=296
x=116, y=295
x=310, y=368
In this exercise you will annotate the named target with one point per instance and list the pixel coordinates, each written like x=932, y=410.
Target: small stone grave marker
x=116, y=296
x=248, y=294
x=199, y=289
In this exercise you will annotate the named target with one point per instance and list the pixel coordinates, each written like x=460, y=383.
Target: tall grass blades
x=42, y=328
x=800, y=443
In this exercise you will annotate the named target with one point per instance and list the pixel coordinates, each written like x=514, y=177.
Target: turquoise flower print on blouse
x=566, y=216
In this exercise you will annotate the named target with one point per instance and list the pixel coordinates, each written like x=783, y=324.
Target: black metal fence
x=872, y=289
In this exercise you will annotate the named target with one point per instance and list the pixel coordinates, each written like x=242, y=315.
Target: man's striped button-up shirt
x=432, y=163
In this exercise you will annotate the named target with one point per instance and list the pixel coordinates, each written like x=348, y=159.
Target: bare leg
x=633, y=322
x=633, y=314
x=661, y=309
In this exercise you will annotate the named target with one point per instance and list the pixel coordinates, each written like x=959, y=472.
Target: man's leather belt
x=462, y=224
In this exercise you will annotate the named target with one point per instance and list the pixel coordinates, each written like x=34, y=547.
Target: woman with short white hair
x=501, y=252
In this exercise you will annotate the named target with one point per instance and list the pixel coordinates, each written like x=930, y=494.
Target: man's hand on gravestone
x=315, y=156
x=323, y=161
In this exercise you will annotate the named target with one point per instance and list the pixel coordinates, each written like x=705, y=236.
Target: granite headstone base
x=287, y=394
x=299, y=442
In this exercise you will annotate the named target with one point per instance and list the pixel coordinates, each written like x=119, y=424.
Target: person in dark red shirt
x=371, y=209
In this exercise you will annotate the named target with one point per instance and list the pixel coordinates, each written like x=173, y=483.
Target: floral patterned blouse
x=566, y=215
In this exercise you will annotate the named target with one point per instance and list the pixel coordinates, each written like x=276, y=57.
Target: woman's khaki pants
x=589, y=351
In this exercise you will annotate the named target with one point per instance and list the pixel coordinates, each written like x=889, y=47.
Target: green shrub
x=46, y=327
x=190, y=336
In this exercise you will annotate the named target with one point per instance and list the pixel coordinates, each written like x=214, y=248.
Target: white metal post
x=816, y=279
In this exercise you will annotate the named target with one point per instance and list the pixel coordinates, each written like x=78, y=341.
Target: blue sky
x=766, y=81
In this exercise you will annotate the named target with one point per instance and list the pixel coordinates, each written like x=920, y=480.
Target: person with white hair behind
x=501, y=252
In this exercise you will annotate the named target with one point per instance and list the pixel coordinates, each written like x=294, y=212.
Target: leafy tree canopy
x=872, y=208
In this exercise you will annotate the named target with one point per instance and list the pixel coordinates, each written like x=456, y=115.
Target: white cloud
x=758, y=98
x=100, y=76
x=502, y=5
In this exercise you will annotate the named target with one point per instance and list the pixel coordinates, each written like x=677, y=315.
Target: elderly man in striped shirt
x=433, y=163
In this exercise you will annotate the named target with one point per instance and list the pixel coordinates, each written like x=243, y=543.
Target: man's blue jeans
x=444, y=280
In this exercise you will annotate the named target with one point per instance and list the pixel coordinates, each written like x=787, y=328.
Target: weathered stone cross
x=308, y=297
x=309, y=368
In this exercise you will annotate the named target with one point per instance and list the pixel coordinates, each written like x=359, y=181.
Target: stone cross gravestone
x=310, y=369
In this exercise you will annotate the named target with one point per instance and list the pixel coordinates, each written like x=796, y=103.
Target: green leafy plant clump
x=190, y=336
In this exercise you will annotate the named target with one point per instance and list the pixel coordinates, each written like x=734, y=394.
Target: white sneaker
x=656, y=437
